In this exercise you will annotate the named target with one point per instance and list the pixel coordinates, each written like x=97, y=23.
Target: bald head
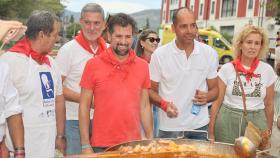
x=181, y=11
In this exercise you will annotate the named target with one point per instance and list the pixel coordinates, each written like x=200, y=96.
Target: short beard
x=120, y=53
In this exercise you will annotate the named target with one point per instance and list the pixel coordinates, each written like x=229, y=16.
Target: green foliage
x=72, y=19
x=275, y=5
x=21, y=9
x=147, y=23
x=72, y=30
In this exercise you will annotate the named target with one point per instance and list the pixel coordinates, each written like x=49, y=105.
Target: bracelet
x=60, y=136
x=163, y=105
x=19, y=148
x=86, y=146
x=19, y=151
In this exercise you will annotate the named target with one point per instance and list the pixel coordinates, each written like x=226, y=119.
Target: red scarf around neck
x=249, y=73
x=80, y=38
x=24, y=47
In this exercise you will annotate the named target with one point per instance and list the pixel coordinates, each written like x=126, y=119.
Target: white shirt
x=255, y=89
x=8, y=98
x=178, y=78
x=71, y=59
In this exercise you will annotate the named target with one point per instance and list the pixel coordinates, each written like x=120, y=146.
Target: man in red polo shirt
x=119, y=82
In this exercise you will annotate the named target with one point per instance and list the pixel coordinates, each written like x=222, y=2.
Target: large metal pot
x=221, y=149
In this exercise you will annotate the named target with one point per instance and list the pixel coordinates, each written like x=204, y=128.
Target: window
x=171, y=14
x=192, y=7
x=250, y=6
x=201, y=9
x=213, y=7
x=228, y=8
x=219, y=44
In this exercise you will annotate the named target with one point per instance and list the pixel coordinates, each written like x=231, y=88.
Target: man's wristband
x=86, y=146
x=163, y=105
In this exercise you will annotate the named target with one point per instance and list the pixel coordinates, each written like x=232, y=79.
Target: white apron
x=39, y=111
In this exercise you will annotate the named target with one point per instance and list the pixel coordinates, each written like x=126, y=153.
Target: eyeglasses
x=152, y=39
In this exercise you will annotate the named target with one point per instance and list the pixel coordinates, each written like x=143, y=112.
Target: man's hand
x=200, y=97
x=171, y=110
x=60, y=144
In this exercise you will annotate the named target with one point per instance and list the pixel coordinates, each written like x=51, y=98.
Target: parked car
x=208, y=36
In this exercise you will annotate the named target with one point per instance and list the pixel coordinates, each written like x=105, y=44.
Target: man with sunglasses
x=184, y=72
x=72, y=58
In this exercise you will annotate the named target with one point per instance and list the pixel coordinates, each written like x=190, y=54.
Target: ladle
x=245, y=148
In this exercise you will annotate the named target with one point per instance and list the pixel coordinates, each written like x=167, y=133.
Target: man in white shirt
x=184, y=72
x=34, y=73
x=71, y=59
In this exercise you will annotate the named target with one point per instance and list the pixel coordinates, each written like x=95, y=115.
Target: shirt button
x=118, y=67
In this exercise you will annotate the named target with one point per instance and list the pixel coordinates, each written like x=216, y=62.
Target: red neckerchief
x=249, y=73
x=24, y=47
x=145, y=58
x=80, y=38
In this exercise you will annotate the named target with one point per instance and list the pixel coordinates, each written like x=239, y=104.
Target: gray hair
x=40, y=21
x=94, y=8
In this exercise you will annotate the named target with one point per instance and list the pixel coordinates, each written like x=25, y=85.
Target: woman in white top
x=227, y=121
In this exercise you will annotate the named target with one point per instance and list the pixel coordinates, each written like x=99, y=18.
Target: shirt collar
x=179, y=51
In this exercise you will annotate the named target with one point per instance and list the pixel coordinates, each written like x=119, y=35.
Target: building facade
x=227, y=16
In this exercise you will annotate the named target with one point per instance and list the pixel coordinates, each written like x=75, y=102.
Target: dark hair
x=142, y=37
x=174, y=17
x=94, y=8
x=121, y=19
x=40, y=21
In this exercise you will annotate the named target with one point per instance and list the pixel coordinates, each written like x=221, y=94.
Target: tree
x=21, y=9
x=72, y=19
x=147, y=23
x=274, y=5
x=72, y=30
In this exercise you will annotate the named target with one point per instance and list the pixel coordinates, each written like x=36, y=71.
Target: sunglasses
x=152, y=39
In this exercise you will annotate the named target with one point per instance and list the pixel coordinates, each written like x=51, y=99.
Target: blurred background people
x=148, y=41
x=227, y=120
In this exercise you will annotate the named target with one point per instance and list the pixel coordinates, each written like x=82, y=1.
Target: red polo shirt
x=117, y=93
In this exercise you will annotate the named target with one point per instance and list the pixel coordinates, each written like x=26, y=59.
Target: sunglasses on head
x=152, y=39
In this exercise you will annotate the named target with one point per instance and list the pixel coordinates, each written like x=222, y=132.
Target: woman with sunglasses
x=147, y=42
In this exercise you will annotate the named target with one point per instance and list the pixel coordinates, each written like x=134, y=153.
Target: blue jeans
x=155, y=115
x=202, y=134
x=73, y=141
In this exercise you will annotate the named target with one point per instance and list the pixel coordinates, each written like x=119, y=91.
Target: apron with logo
x=39, y=93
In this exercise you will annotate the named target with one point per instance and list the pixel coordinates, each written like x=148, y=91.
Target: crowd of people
x=98, y=93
